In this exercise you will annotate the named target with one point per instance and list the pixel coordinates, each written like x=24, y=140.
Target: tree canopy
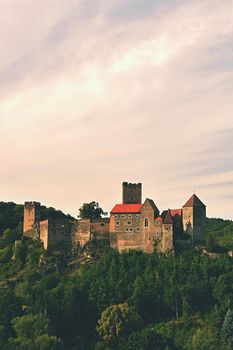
x=91, y=211
x=117, y=301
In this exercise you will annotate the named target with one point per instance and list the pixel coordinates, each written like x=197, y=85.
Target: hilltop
x=49, y=301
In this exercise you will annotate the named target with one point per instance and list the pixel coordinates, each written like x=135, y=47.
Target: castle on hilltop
x=132, y=225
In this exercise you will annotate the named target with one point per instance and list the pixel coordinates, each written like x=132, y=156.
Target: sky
x=94, y=93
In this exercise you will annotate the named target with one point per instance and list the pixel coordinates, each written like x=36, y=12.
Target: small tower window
x=146, y=224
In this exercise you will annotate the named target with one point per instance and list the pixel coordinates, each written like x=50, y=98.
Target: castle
x=132, y=225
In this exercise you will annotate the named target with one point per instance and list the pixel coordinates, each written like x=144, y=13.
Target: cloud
x=92, y=95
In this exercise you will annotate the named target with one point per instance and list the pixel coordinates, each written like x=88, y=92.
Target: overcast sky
x=93, y=93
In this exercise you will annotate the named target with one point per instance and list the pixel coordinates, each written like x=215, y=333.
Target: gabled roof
x=194, y=201
x=152, y=203
x=126, y=208
x=168, y=218
x=176, y=212
x=163, y=215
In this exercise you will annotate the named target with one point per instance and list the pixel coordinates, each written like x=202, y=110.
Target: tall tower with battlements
x=132, y=193
x=31, y=223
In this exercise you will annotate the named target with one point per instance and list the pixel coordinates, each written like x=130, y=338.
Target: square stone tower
x=194, y=219
x=132, y=193
x=31, y=224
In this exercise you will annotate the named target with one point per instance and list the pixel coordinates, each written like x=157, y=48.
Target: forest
x=115, y=301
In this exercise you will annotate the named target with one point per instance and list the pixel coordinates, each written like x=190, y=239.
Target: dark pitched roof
x=168, y=218
x=194, y=201
x=163, y=215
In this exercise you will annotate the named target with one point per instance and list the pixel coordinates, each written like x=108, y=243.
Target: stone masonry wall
x=31, y=219
x=125, y=231
x=132, y=193
x=148, y=233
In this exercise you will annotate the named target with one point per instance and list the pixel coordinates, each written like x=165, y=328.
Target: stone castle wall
x=142, y=230
x=125, y=232
x=31, y=219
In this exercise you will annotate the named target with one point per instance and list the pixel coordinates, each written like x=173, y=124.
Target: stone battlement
x=31, y=205
x=132, y=193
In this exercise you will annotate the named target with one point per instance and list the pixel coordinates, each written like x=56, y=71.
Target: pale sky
x=94, y=93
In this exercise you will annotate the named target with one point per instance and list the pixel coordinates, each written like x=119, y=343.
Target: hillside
x=219, y=235
x=120, y=301
x=11, y=215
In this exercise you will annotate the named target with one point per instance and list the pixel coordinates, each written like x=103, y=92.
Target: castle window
x=137, y=229
x=127, y=229
x=137, y=216
x=146, y=223
x=116, y=216
x=129, y=222
x=117, y=229
x=123, y=216
x=129, y=216
x=117, y=223
x=131, y=229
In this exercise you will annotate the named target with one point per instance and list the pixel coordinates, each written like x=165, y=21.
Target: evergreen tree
x=226, y=335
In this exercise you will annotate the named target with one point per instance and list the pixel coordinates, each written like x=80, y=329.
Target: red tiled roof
x=175, y=212
x=159, y=218
x=126, y=208
x=194, y=201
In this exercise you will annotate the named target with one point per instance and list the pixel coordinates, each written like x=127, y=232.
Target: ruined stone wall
x=31, y=219
x=81, y=232
x=132, y=193
x=59, y=232
x=84, y=230
x=44, y=232
x=55, y=231
x=100, y=229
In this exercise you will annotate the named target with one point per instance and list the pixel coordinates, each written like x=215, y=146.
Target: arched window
x=146, y=224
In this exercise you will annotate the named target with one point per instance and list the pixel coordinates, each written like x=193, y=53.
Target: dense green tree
x=226, y=334
x=182, y=300
x=32, y=333
x=11, y=215
x=9, y=306
x=48, y=342
x=116, y=321
x=145, y=339
x=91, y=211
